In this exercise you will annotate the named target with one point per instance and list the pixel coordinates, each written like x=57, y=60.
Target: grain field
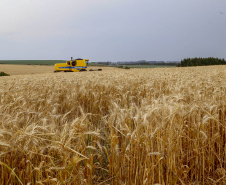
x=137, y=126
x=37, y=69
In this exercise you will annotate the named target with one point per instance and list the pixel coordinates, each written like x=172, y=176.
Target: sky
x=112, y=30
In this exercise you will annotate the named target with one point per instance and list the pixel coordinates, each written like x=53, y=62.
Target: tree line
x=201, y=62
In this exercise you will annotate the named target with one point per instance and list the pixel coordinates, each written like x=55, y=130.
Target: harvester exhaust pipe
x=71, y=58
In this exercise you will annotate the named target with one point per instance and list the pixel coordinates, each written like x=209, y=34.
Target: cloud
x=111, y=29
x=35, y=17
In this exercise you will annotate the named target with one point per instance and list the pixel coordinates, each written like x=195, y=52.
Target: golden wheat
x=142, y=126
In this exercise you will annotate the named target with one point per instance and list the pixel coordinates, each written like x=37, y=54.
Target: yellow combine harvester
x=76, y=65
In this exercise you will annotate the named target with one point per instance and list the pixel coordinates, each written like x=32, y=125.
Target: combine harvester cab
x=76, y=65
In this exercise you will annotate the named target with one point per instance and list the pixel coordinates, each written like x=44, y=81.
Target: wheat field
x=35, y=69
x=121, y=127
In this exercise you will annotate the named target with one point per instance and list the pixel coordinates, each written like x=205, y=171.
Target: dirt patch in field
x=36, y=69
